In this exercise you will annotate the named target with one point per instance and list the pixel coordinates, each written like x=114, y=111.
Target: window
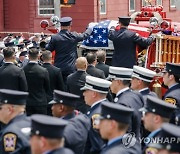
x=131, y=5
x=172, y=3
x=46, y=7
x=102, y=6
x=144, y=3
x=159, y=2
x=147, y=2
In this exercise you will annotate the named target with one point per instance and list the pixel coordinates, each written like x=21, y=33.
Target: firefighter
x=65, y=45
x=124, y=42
x=171, y=78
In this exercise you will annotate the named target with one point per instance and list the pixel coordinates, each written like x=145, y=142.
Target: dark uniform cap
x=172, y=68
x=23, y=53
x=9, y=44
x=47, y=126
x=26, y=42
x=65, y=21
x=13, y=97
x=171, y=133
x=124, y=20
x=96, y=84
x=116, y=112
x=64, y=98
x=143, y=73
x=21, y=45
x=158, y=106
x=10, y=34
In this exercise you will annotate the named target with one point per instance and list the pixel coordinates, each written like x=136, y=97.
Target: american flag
x=99, y=35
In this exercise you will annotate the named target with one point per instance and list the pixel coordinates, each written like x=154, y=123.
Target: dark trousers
x=36, y=110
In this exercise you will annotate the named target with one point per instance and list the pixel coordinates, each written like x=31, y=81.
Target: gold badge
x=95, y=121
x=9, y=142
x=170, y=100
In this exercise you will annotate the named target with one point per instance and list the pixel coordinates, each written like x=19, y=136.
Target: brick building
x=25, y=15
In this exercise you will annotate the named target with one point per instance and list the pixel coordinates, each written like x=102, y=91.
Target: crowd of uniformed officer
x=39, y=102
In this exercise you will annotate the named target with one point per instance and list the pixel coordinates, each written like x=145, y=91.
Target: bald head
x=81, y=63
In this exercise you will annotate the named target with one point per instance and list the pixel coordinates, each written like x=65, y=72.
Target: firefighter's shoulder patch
x=9, y=142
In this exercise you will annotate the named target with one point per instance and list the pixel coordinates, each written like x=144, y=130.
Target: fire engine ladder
x=167, y=50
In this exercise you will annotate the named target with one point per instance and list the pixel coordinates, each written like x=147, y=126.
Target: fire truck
x=150, y=20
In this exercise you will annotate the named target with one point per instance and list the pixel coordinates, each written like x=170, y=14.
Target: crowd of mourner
x=53, y=103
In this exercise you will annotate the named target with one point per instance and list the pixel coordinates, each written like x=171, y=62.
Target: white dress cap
x=96, y=84
x=143, y=73
x=120, y=73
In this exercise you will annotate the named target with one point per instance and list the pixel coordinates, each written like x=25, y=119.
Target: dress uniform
x=76, y=131
x=94, y=142
x=158, y=107
x=38, y=85
x=12, y=138
x=116, y=144
x=173, y=92
x=124, y=42
x=168, y=132
x=127, y=97
x=141, y=79
x=49, y=128
x=65, y=45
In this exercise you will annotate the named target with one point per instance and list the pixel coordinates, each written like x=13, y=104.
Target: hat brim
x=89, y=88
x=156, y=146
x=143, y=109
x=164, y=71
x=53, y=102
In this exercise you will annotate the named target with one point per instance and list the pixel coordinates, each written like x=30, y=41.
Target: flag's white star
x=99, y=36
x=104, y=31
x=95, y=41
x=91, y=36
x=103, y=41
x=87, y=41
x=95, y=31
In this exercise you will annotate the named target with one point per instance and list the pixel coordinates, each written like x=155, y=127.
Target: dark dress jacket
x=65, y=46
x=61, y=151
x=104, y=68
x=56, y=79
x=93, y=71
x=135, y=101
x=117, y=147
x=94, y=142
x=146, y=92
x=124, y=42
x=76, y=132
x=75, y=82
x=12, y=77
x=173, y=96
x=38, y=84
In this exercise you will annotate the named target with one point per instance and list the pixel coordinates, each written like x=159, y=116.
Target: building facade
x=24, y=16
